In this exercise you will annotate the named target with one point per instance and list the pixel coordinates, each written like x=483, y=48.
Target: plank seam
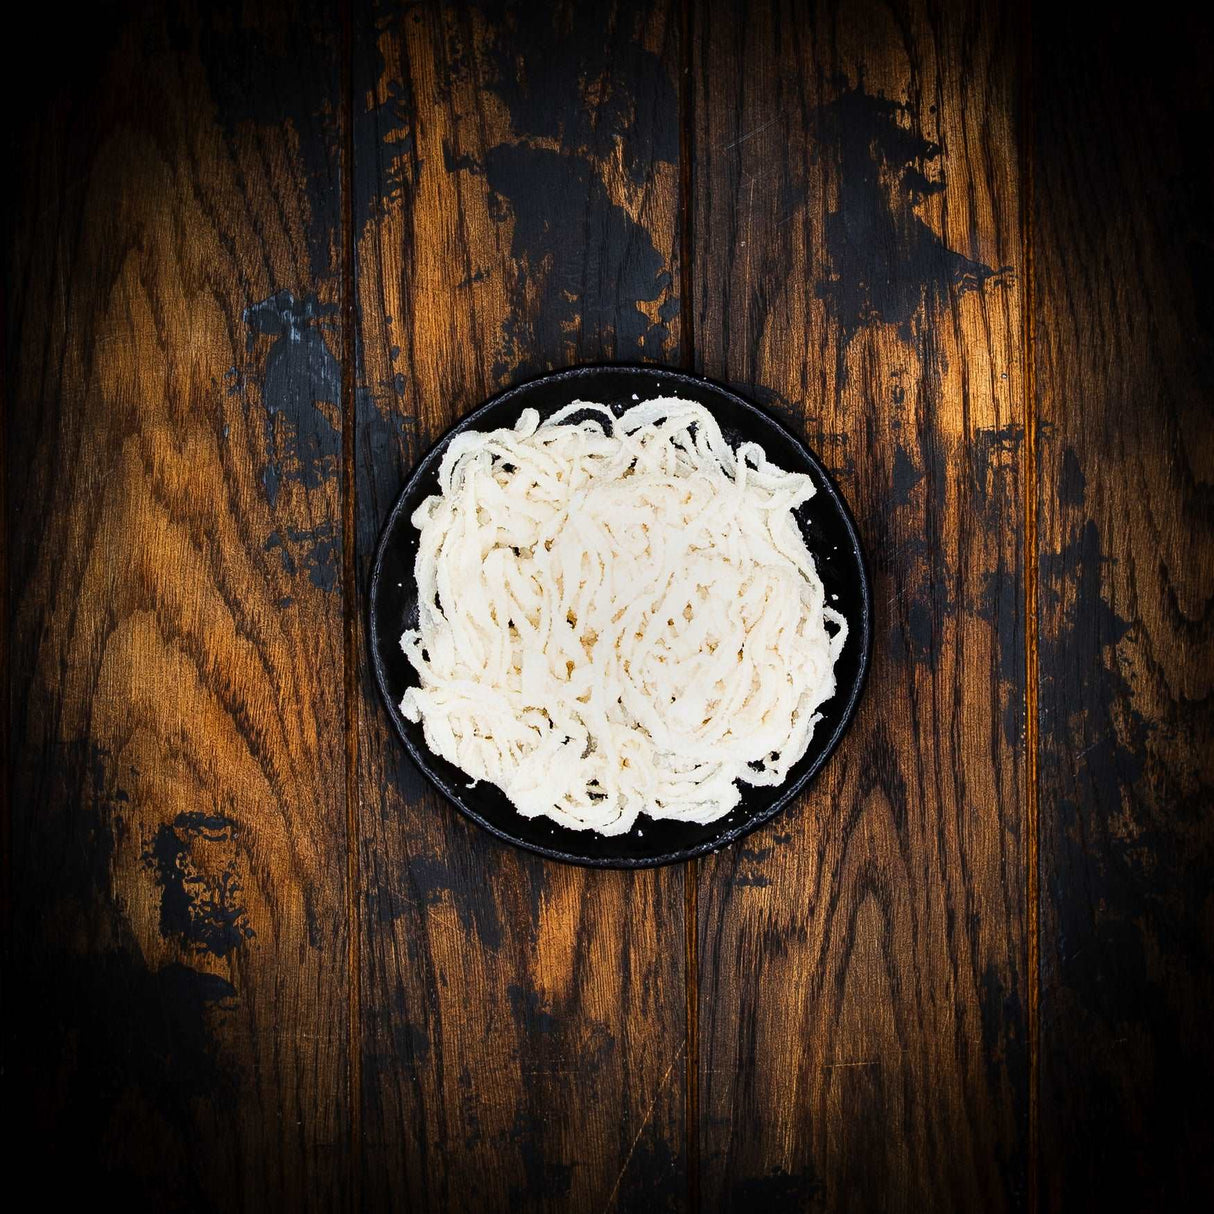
x=686, y=150
x=1031, y=600
x=6, y=767
x=350, y=608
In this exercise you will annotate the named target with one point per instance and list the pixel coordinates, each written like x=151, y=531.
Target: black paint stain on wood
x=584, y=82
x=275, y=541
x=301, y=374
x=749, y=867
x=1080, y=668
x=887, y=266
x=320, y=555
x=1001, y=604
x=751, y=878
x=453, y=161
x=906, y=475
x=315, y=549
x=584, y=265
x=585, y=258
x=528, y=1012
x=993, y=458
x=386, y=163
x=912, y=554
x=1072, y=483
x=194, y=860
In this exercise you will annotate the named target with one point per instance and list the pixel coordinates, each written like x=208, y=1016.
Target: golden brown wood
x=1123, y=233
x=862, y=983
x=179, y=835
x=515, y=209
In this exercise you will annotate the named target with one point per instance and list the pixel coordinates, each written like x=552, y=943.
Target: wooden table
x=260, y=256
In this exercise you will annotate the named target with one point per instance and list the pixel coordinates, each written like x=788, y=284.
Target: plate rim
x=786, y=794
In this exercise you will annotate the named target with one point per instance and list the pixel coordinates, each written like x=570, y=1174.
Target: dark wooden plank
x=863, y=985
x=515, y=207
x=1123, y=244
x=177, y=1019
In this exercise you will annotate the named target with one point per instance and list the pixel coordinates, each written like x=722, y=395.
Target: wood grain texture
x=1125, y=345
x=251, y=960
x=177, y=1014
x=515, y=207
x=862, y=983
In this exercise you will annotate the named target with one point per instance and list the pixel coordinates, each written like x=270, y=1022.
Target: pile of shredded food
x=618, y=616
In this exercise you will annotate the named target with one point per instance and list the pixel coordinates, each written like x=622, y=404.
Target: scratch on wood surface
x=648, y=1115
x=1090, y=748
x=750, y=134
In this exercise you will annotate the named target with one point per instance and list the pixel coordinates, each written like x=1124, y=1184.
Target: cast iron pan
x=829, y=531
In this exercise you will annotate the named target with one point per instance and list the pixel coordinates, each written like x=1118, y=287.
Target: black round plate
x=828, y=528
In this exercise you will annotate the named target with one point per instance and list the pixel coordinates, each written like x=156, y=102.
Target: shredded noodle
x=618, y=616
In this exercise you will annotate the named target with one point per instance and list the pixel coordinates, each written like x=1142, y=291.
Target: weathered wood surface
x=1123, y=234
x=516, y=194
x=259, y=258
x=177, y=1008
x=862, y=984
